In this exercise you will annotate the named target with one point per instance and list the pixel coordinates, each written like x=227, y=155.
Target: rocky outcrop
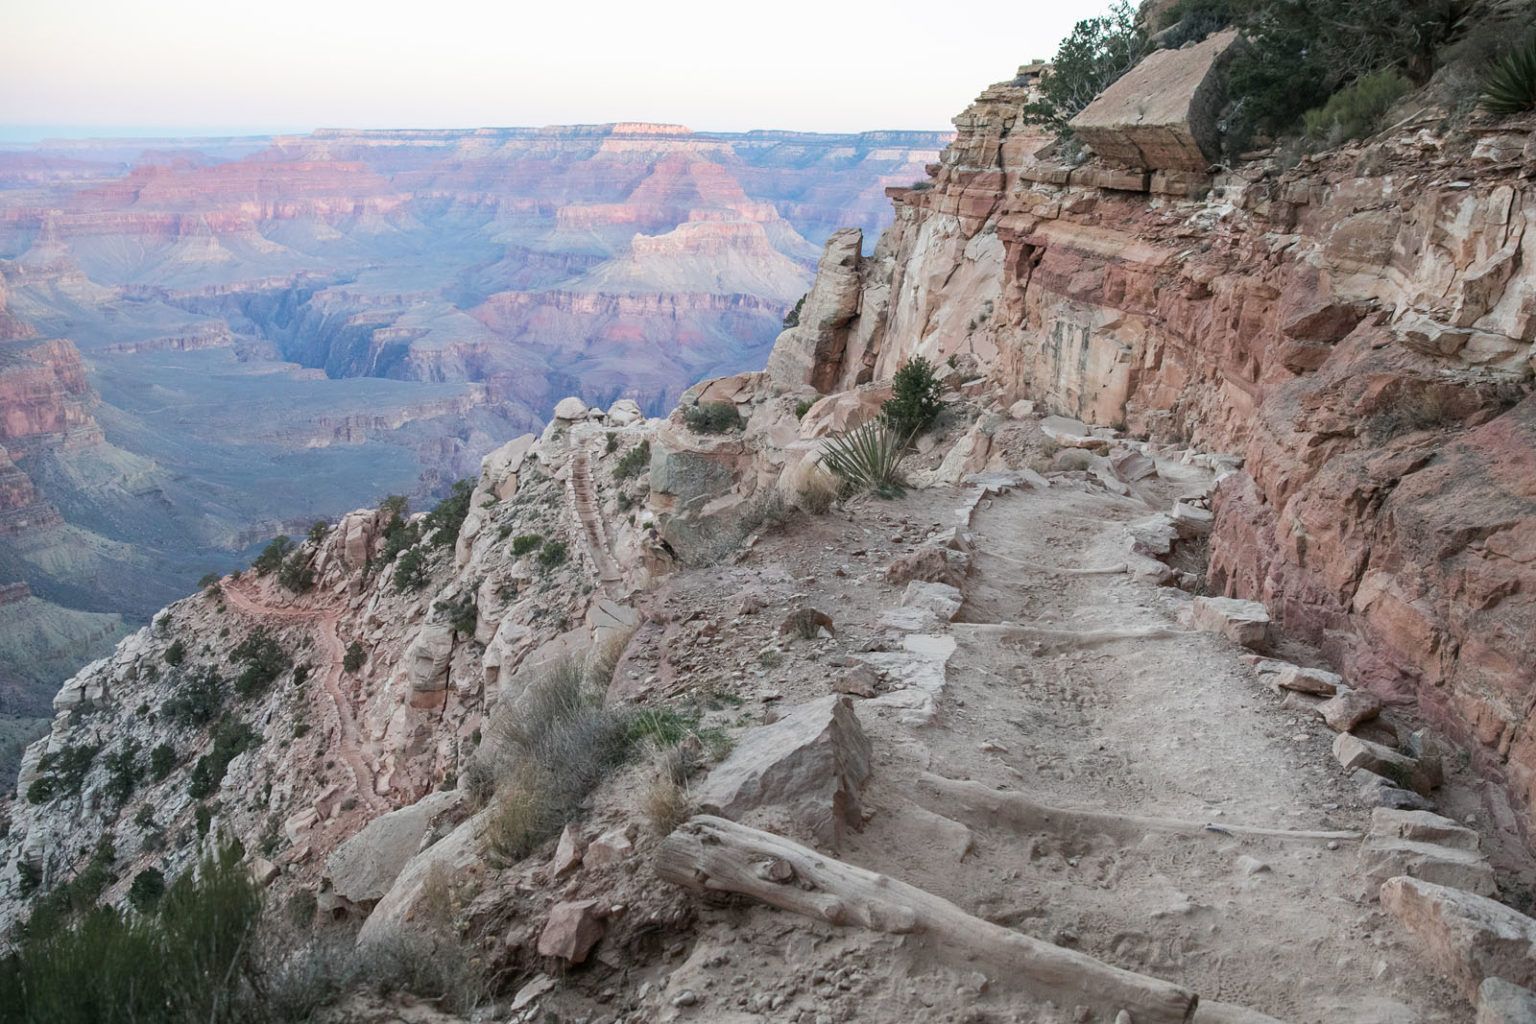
x=1356, y=330
x=1162, y=114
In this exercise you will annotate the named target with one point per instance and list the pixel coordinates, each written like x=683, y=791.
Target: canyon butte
x=1180, y=670
x=204, y=343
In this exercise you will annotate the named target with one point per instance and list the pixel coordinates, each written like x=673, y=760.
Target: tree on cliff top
x=1096, y=53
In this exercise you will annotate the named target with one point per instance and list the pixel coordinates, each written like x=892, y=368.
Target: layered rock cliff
x=1359, y=328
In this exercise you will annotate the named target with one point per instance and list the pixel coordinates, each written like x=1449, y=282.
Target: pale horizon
x=79, y=68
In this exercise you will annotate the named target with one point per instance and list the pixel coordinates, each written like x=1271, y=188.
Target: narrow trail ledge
x=1118, y=787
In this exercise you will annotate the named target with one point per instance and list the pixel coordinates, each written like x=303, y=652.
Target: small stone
x=687, y=997
x=1251, y=865
x=1348, y=710
x=568, y=853
x=858, y=681
x=993, y=747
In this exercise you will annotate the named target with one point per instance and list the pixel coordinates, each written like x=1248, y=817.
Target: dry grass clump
x=665, y=801
x=818, y=492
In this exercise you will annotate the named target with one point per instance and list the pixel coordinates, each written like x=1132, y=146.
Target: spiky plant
x=1510, y=87
x=869, y=458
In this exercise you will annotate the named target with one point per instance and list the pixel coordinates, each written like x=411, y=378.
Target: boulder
x=611, y=847
x=941, y=599
x=624, y=412
x=1380, y=792
x=811, y=352
x=572, y=929
x=1501, y=1002
x=1423, y=827
x=568, y=853
x=1243, y=622
x=1467, y=938
x=807, y=620
x=499, y=470
x=930, y=563
x=356, y=537
x=1348, y=710
x=1021, y=410
x=1070, y=433
x=367, y=863
x=425, y=662
x=1382, y=858
x=844, y=411
x=810, y=764
x=1163, y=114
x=1131, y=466
x=1353, y=752
x=1306, y=680
x=858, y=681
x=570, y=409
x=1191, y=520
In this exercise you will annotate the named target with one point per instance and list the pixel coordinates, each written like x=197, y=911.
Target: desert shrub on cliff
x=547, y=754
x=295, y=574
x=263, y=660
x=712, y=417
x=192, y=957
x=1356, y=110
x=1510, y=87
x=231, y=738
x=411, y=570
x=915, y=397
x=355, y=657
x=868, y=459
x=272, y=556
x=1092, y=57
x=441, y=525
x=161, y=760
x=176, y=653
x=196, y=701
x=462, y=614
x=123, y=771
x=792, y=318
x=526, y=542
x=552, y=555
x=62, y=773
x=633, y=462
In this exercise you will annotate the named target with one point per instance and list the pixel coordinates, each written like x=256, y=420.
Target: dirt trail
x=582, y=494
x=1165, y=724
x=331, y=653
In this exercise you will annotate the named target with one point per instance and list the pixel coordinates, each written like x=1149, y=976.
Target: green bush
x=190, y=957
x=146, y=889
x=525, y=543
x=552, y=555
x=802, y=407
x=176, y=653
x=1096, y=53
x=197, y=701
x=231, y=738
x=355, y=656
x=295, y=574
x=914, y=403
x=317, y=531
x=461, y=614
x=398, y=533
x=868, y=458
x=441, y=525
x=209, y=581
x=1510, y=87
x=712, y=417
x=264, y=660
x=411, y=570
x=123, y=771
x=1356, y=110
x=792, y=318
x=631, y=464
x=62, y=773
x=161, y=760
x=272, y=556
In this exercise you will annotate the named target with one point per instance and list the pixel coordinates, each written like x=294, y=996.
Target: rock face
x=809, y=766
x=1366, y=375
x=1467, y=937
x=1161, y=115
x=363, y=868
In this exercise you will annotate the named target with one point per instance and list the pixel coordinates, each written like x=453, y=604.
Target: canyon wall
x=1359, y=327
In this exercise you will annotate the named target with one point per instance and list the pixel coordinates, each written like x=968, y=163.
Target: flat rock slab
x=1384, y=858
x=1353, y=752
x=1423, y=827
x=1347, y=711
x=1070, y=433
x=1316, y=681
x=1500, y=1002
x=365, y=866
x=918, y=674
x=941, y=599
x=1468, y=938
x=1243, y=622
x=812, y=763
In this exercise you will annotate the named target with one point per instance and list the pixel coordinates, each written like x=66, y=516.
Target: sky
x=200, y=67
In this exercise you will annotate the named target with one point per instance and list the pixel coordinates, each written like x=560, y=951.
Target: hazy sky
x=210, y=65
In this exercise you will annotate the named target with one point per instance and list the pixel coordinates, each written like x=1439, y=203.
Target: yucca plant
x=1510, y=87
x=869, y=458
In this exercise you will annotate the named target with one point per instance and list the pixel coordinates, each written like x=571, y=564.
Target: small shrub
x=524, y=543
x=176, y=653
x=272, y=556
x=1510, y=87
x=300, y=909
x=295, y=574
x=161, y=760
x=441, y=525
x=818, y=491
x=1092, y=57
x=792, y=318
x=147, y=888
x=355, y=656
x=62, y=773
x=802, y=407
x=317, y=531
x=197, y=701
x=462, y=615
x=231, y=738
x=1356, y=110
x=665, y=803
x=552, y=555
x=144, y=817
x=868, y=459
x=123, y=771
x=915, y=398
x=631, y=464
x=611, y=445
x=209, y=581
x=712, y=417
x=264, y=660
x=411, y=570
